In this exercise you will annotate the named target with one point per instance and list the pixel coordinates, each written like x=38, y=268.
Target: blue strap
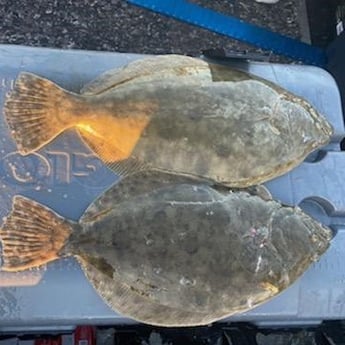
x=236, y=28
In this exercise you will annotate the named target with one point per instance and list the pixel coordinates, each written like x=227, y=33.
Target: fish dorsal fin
x=221, y=72
x=143, y=181
x=164, y=65
x=262, y=192
x=258, y=190
x=139, y=183
x=227, y=73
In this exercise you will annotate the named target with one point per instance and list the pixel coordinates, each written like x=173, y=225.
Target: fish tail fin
x=31, y=235
x=36, y=111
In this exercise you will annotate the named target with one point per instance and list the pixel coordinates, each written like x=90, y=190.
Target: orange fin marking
x=112, y=138
x=37, y=111
x=32, y=235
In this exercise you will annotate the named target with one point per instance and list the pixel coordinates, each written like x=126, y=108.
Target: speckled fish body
x=178, y=255
x=178, y=114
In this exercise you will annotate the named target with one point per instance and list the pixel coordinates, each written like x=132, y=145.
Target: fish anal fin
x=122, y=298
x=113, y=138
x=105, y=149
x=128, y=166
x=113, y=141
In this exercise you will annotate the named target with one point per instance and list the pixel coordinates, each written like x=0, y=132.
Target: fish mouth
x=322, y=124
x=325, y=128
x=323, y=131
x=320, y=235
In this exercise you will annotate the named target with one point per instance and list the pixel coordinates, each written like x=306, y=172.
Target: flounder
x=175, y=114
x=176, y=253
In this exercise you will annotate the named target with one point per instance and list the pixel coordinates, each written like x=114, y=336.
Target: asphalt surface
x=115, y=25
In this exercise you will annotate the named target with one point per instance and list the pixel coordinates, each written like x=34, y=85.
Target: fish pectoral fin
x=116, y=160
x=31, y=235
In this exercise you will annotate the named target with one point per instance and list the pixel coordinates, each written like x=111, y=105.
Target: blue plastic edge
x=235, y=28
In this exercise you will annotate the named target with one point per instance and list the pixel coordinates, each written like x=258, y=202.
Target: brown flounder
x=181, y=254
x=177, y=114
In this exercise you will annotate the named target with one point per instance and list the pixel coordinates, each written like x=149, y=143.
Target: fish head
x=322, y=130
x=298, y=241
x=319, y=235
x=308, y=125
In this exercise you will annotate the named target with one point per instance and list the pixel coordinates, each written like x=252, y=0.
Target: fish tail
x=36, y=111
x=32, y=235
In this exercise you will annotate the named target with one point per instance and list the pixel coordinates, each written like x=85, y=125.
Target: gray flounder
x=177, y=255
x=174, y=113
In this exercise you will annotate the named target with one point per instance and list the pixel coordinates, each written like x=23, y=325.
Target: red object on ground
x=84, y=335
x=48, y=341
